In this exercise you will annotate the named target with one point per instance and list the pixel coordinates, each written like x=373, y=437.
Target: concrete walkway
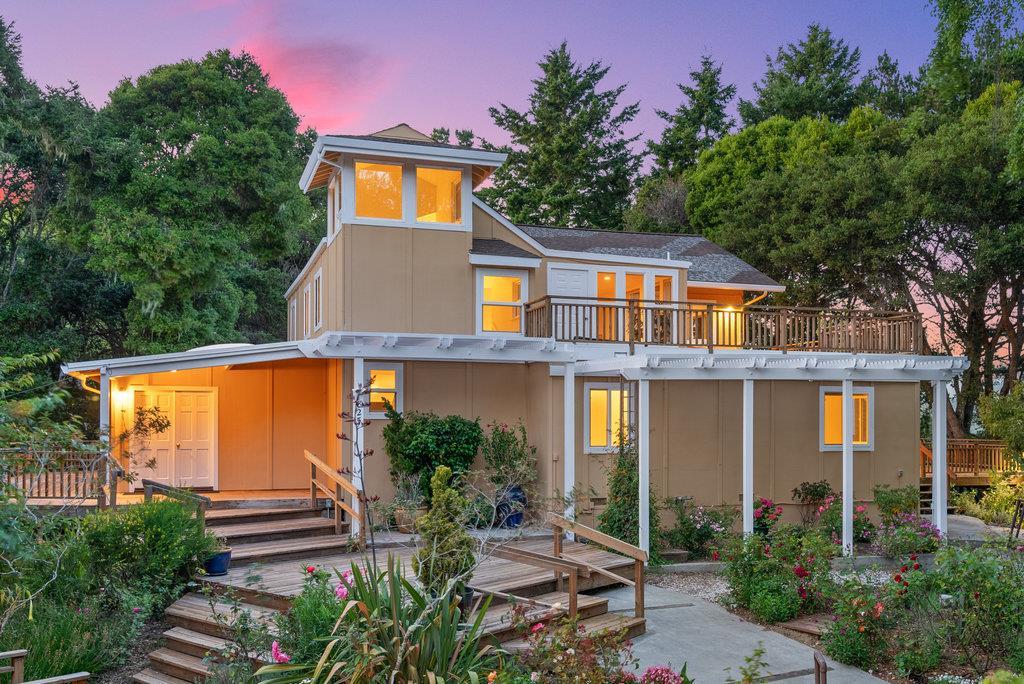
x=966, y=528
x=682, y=628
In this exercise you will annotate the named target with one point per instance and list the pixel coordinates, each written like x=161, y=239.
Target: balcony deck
x=697, y=324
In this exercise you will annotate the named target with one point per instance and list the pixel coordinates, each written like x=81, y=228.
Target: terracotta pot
x=405, y=518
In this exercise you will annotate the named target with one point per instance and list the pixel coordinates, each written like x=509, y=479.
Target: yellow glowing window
x=662, y=288
x=378, y=190
x=634, y=286
x=832, y=415
x=502, y=303
x=608, y=417
x=438, y=195
x=383, y=388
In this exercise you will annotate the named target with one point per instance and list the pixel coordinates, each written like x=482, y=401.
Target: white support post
x=105, y=405
x=643, y=440
x=748, y=457
x=848, y=467
x=569, y=438
x=940, y=484
x=357, y=438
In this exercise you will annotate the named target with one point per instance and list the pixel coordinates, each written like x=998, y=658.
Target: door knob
x=178, y=445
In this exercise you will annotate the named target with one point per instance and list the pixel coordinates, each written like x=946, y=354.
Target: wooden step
x=194, y=643
x=151, y=676
x=194, y=612
x=228, y=516
x=280, y=549
x=633, y=627
x=244, y=533
x=177, y=664
x=497, y=623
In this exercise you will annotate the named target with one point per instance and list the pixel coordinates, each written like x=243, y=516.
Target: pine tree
x=569, y=162
x=814, y=77
x=697, y=123
x=464, y=137
x=887, y=90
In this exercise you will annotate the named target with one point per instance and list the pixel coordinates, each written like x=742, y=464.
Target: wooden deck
x=281, y=580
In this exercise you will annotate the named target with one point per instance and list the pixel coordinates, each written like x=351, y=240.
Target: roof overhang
x=503, y=261
x=736, y=286
x=203, y=357
x=768, y=365
x=328, y=150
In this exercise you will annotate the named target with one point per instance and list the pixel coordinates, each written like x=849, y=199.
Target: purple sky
x=356, y=67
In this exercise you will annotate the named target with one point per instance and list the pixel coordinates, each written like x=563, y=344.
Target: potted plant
x=218, y=564
x=512, y=462
x=444, y=561
x=408, y=504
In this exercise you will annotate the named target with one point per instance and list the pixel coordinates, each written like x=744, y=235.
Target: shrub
x=509, y=456
x=418, y=443
x=621, y=518
x=775, y=600
x=565, y=653
x=445, y=555
x=994, y=505
x=917, y=654
x=857, y=636
x=310, y=618
x=766, y=514
x=811, y=495
x=906, y=533
x=830, y=520
x=893, y=502
x=698, y=527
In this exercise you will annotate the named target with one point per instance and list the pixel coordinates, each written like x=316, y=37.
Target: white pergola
x=750, y=367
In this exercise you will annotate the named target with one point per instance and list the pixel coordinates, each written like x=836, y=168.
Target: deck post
x=643, y=438
x=748, y=457
x=104, y=433
x=847, y=467
x=357, y=443
x=940, y=484
x=569, y=438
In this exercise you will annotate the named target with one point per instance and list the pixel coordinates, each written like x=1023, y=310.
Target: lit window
x=662, y=288
x=385, y=382
x=501, y=296
x=607, y=416
x=318, y=301
x=378, y=190
x=832, y=418
x=438, y=195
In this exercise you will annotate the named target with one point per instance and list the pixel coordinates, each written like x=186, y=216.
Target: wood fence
x=62, y=474
x=971, y=457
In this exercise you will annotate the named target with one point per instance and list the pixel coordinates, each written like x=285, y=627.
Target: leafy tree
x=197, y=206
x=1003, y=418
x=660, y=206
x=569, y=162
x=697, y=123
x=888, y=90
x=813, y=77
x=464, y=137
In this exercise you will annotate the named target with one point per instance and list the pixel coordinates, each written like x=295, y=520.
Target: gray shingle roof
x=499, y=248
x=408, y=141
x=708, y=262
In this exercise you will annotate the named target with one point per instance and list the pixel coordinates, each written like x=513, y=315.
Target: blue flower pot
x=218, y=563
x=511, y=504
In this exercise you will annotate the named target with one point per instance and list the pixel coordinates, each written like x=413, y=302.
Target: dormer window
x=378, y=190
x=438, y=195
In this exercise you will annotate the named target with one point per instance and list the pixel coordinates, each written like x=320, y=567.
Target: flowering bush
x=566, y=652
x=662, y=674
x=858, y=633
x=312, y=616
x=830, y=519
x=766, y=514
x=698, y=527
x=995, y=505
x=906, y=533
x=892, y=502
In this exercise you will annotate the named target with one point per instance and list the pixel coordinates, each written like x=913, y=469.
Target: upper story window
x=378, y=190
x=385, y=383
x=306, y=317
x=438, y=195
x=500, y=297
x=831, y=409
x=318, y=300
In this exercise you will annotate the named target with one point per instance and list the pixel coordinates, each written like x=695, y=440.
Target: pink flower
x=758, y=513
x=278, y=655
x=861, y=508
x=341, y=591
x=536, y=628
x=310, y=569
x=136, y=610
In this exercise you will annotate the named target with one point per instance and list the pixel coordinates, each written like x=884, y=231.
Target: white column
x=748, y=457
x=357, y=436
x=105, y=405
x=848, y=467
x=643, y=443
x=940, y=486
x=569, y=437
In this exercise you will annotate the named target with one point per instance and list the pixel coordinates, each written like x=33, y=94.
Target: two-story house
x=443, y=304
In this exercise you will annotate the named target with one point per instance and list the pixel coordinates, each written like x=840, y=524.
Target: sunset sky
x=361, y=66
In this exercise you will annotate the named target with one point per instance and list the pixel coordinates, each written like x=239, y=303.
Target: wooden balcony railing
x=62, y=475
x=975, y=457
x=694, y=324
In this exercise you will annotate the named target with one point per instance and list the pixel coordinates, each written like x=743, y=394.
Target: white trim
x=748, y=457
x=643, y=438
x=307, y=313
x=569, y=438
x=620, y=278
x=734, y=286
x=305, y=269
x=589, y=448
x=524, y=296
x=357, y=443
x=399, y=368
x=503, y=261
x=838, y=389
x=318, y=299
x=847, y=512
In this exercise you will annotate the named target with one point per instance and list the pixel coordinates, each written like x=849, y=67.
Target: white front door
x=571, y=322
x=185, y=454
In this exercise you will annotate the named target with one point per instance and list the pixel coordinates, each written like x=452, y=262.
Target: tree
x=697, y=123
x=1003, y=418
x=464, y=137
x=888, y=90
x=569, y=162
x=196, y=208
x=813, y=77
x=660, y=206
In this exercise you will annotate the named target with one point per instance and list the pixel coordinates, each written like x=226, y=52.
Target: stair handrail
x=560, y=525
x=560, y=566
x=17, y=670
x=341, y=483
x=202, y=503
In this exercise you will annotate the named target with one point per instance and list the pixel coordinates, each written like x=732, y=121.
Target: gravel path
x=709, y=586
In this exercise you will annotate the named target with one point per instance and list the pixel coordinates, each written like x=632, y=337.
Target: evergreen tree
x=889, y=91
x=697, y=123
x=813, y=77
x=569, y=162
x=464, y=137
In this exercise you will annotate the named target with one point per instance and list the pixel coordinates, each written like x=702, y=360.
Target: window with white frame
x=306, y=313
x=385, y=383
x=378, y=190
x=438, y=195
x=830, y=401
x=293, y=319
x=605, y=416
x=318, y=300
x=500, y=296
